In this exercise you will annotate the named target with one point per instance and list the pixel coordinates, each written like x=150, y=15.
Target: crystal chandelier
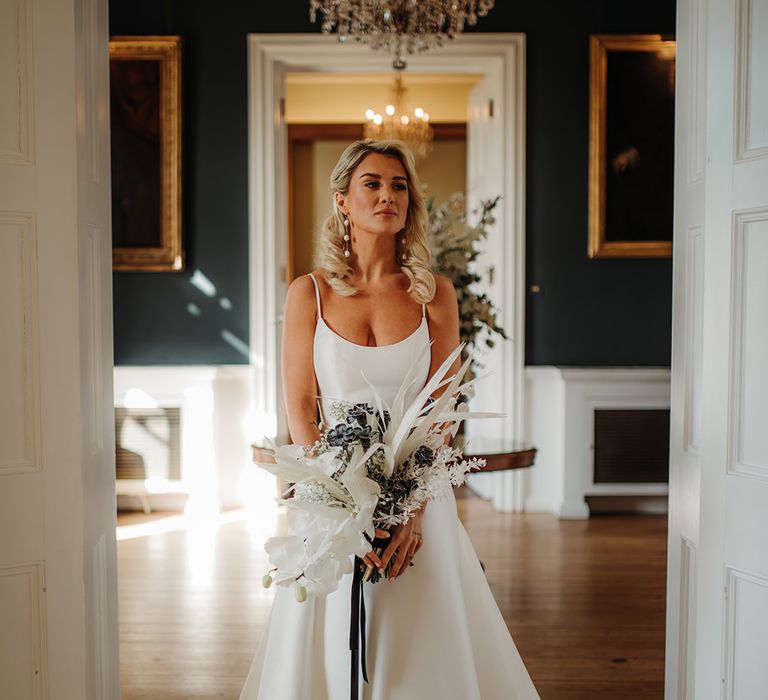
x=398, y=25
x=400, y=122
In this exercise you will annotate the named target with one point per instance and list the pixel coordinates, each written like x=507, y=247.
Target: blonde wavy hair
x=412, y=239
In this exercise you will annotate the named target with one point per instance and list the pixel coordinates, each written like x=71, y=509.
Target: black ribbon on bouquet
x=357, y=630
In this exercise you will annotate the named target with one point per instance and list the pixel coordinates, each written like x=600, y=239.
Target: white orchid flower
x=349, y=537
x=291, y=464
x=288, y=555
x=319, y=556
x=322, y=576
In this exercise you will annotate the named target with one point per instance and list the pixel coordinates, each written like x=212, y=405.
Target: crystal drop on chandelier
x=398, y=25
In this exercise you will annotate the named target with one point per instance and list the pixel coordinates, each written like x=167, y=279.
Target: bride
x=433, y=627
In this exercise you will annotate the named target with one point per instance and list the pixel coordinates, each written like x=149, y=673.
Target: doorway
x=495, y=166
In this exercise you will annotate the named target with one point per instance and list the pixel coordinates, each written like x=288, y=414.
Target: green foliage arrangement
x=454, y=243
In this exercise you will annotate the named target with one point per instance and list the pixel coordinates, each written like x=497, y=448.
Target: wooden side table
x=500, y=454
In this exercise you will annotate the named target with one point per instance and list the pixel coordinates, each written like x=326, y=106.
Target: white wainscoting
x=560, y=405
x=218, y=424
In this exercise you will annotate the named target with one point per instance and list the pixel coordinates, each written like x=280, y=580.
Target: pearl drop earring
x=346, y=236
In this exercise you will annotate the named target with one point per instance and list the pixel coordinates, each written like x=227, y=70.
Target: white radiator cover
x=218, y=425
x=560, y=404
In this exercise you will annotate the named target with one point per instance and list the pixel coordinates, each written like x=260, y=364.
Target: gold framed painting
x=631, y=146
x=145, y=127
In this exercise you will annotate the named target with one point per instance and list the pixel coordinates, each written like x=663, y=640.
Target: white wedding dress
x=436, y=631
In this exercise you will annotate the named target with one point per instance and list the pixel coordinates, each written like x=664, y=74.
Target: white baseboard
x=640, y=505
x=573, y=511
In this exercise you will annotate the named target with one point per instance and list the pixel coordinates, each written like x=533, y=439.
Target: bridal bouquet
x=373, y=469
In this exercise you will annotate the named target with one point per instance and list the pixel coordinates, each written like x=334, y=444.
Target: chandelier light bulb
x=425, y=116
x=419, y=112
x=377, y=119
x=404, y=120
x=369, y=113
x=390, y=109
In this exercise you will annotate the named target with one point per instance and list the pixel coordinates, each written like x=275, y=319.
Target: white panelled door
x=58, y=604
x=717, y=620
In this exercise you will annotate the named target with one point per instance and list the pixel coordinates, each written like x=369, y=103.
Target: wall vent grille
x=631, y=446
x=148, y=442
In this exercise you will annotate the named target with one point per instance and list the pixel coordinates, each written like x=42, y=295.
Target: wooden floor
x=584, y=601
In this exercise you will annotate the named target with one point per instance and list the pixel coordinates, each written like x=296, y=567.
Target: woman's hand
x=405, y=542
x=372, y=559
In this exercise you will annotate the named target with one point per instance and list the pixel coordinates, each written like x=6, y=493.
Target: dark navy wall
x=589, y=312
x=152, y=325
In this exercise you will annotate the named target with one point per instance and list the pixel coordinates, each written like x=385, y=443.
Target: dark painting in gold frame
x=145, y=130
x=631, y=146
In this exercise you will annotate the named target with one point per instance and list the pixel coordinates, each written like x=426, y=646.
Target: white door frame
x=500, y=57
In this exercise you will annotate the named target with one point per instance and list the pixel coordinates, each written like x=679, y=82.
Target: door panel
x=719, y=455
x=58, y=602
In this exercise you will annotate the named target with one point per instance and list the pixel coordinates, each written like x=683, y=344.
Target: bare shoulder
x=300, y=298
x=444, y=286
x=445, y=302
x=302, y=286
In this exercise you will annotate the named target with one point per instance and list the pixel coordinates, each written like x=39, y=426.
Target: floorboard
x=584, y=601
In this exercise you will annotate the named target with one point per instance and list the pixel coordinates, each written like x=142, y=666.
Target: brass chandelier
x=398, y=25
x=400, y=122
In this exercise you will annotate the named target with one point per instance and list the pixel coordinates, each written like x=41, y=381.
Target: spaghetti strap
x=317, y=295
x=423, y=310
